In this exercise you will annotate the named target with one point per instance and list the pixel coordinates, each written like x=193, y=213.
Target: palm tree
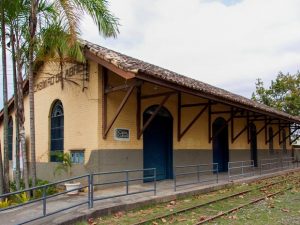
x=5, y=103
x=72, y=12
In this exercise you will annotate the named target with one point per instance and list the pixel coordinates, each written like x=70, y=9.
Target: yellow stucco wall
x=83, y=116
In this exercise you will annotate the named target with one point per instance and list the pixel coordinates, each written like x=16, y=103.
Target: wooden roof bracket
x=291, y=133
x=233, y=138
x=179, y=107
x=221, y=128
x=107, y=126
x=274, y=135
x=162, y=103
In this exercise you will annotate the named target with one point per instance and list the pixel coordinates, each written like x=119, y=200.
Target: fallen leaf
x=154, y=223
x=202, y=218
x=234, y=217
x=119, y=214
x=163, y=220
x=172, y=202
x=285, y=210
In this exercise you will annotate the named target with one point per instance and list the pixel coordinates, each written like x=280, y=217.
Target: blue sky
x=227, y=43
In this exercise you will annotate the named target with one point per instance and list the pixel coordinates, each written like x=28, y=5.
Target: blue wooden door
x=220, y=144
x=157, y=139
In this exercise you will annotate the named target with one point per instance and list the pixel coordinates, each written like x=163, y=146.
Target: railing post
x=198, y=173
x=260, y=167
x=242, y=168
x=44, y=201
x=91, y=190
x=217, y=165
x=127, y=182
x=228, y=171
x=155, y=181
x=175, y=181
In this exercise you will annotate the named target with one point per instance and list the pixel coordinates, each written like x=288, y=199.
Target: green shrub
x=5, y=203
x=39, y=192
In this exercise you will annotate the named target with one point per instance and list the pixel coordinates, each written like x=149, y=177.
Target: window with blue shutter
x=77, y=156
x=57, y=130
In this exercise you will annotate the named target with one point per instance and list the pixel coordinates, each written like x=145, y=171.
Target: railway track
x=241, y=193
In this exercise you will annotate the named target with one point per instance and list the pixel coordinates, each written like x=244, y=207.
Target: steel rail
x=242, y=206
x=209, y=202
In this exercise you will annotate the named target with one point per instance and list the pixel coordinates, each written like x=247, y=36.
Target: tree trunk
x=32, y=31
x=1, y=174
x=5, y=108
x=20, y=115
x=17, y=158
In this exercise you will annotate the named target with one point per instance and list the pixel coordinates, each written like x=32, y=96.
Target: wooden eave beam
x=177, y=87
x=292, y=141
x=138, y=111
x=221, y=112
x=264, y=127
x=104, y=99
x=290, y=134
x=121, y=106
x=158, y=95
x=179, y=116
x=239, y=134
x=125, y=74
x=196, y=104
x=121, y=87
x=153, y=115
x=192, y=122
x=274, y=135
x=226, y=124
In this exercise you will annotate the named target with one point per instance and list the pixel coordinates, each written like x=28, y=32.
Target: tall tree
x=32, y=39
x=283, y=94
x=17, y=158
x=5, y=102
x=20, y=30
x=71, y=12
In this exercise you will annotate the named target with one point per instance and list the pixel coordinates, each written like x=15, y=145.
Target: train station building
x=116, y=112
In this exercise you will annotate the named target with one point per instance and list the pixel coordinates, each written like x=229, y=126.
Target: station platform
x=164, y=193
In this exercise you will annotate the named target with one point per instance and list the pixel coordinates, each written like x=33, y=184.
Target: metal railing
x=201, y=173
x=269, y=165
x=275, y=164
x=287, y=162
x=90, y=198
x=45, y=197
x=240, y=169
x=149, y=175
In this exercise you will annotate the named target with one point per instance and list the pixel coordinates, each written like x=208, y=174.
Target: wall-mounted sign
x=67, y=73
x=122, y=134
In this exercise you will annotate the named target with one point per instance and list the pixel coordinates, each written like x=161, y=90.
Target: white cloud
x=225, y=44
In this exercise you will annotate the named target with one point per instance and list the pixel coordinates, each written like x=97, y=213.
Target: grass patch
x=126, y=218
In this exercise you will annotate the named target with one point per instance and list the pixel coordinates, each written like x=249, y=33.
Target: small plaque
x=122, y=134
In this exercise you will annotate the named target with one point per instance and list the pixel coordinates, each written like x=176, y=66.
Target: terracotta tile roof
x=130, y=64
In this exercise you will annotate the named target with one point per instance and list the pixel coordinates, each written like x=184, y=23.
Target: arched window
x=271, y=148
x=10, y=137
x=57, y=130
